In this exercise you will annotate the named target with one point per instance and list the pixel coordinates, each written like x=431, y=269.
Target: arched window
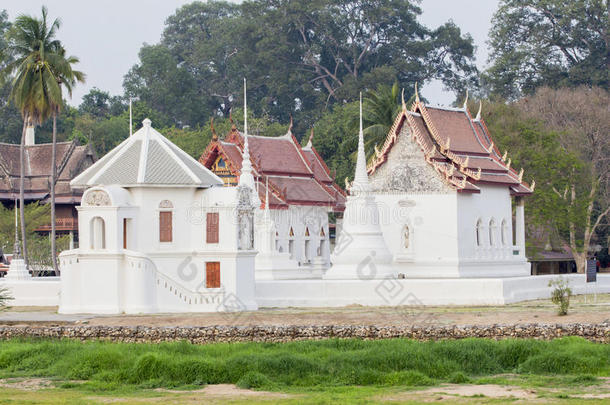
x=165, y=221
x=492, y=232
x=504, y=232
x=97, y=233
x=291, y=243
x=479, y=233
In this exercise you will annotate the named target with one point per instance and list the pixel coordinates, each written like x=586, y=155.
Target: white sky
x=107, y=35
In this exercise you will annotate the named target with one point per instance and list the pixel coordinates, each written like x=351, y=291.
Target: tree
x=548, y=43
x=100, y=104
x=29, y=41
x=379, y=112
x=300, y=58
x=42, y=70
x=60, y=75
x=581, y=118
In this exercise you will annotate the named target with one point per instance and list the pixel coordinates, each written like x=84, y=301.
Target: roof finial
x=147, y=123
x=233, y=127
x=416, y=94
x=17, y=245
x=291, y=124
x=214, y=136
x=478, y=117
x=508, y=164
x=504, y=155
x=533, y=185
x=402, y=99
x=521, y=175
x=466, y=100
x=310, y=140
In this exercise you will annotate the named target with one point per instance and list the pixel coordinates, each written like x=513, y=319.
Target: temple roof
x=459, y=147
x=144, y=159
x=72, y=159
x=296, y=175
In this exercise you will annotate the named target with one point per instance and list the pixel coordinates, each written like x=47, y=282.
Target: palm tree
x=380, y=109
x=60, y=74
x=36, y=87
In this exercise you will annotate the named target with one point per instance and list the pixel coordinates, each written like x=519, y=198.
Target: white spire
x=246, y=178
x=130, y=119
x=361, y=179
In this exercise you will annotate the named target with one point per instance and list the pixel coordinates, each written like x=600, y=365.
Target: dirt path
x=528, y=312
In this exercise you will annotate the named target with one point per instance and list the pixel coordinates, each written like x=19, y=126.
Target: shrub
x=561, y=294
x=254, y=379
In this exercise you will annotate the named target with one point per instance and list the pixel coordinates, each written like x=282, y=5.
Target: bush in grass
x=459, y=378
x=561, y=294
x=254, y=379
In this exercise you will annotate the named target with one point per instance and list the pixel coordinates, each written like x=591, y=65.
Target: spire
x=245, y=113
x=478, y=117
x=402, y=99
x=16, y=246
x=246, y=178
x=416, y=94
x=466, y=100
x=130, y=119
x=361, y=179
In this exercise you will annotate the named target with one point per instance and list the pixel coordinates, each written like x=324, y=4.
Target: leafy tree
x=580, y=116
x=30, y=42
x=100, y=104
x=548, y=43
x=299, y=57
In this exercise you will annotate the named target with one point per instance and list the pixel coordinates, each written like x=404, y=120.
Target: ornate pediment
x=97, y=198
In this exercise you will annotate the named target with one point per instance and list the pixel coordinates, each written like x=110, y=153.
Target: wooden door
x=165, y=226
x=212, y=275
x=212, y=227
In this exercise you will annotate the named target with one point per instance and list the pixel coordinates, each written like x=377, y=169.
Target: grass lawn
x=328, y=371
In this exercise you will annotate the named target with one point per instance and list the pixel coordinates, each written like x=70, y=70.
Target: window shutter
x=212, y=227
x=165, y=226
x=212, y=275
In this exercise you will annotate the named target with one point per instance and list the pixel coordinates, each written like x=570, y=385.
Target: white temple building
x=158, y=234
x=429, y=222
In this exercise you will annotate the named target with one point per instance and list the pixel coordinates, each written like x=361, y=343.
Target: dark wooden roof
x=72, y=159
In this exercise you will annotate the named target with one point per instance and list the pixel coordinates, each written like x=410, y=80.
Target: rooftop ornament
x=478, y=117
x=466, y=100
x=504, y=156
x=214, y=136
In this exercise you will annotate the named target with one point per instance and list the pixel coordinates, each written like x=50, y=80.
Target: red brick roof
x=296, y=175
x=459, y=147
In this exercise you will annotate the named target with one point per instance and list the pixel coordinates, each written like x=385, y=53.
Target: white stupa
x=360, y=251
x=17, y=270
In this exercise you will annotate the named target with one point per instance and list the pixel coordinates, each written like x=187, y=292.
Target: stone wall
x=212, y=334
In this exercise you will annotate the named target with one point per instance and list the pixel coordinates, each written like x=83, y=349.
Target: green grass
x=279, y=366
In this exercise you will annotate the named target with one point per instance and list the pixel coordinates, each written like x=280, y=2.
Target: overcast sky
x=107, y=35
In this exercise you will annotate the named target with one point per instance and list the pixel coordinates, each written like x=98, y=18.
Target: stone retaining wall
x=211, y=334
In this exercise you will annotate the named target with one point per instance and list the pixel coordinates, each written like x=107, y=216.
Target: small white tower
x=360, y=251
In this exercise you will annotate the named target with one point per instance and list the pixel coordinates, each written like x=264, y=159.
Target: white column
x=71, y=240
x=520, y=225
